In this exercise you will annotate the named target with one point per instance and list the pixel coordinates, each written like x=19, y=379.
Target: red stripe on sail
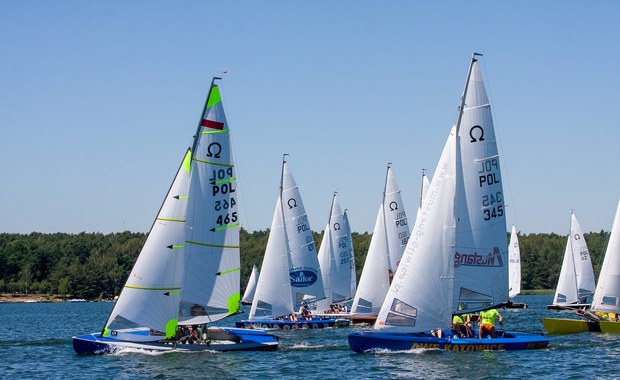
x=212, y=124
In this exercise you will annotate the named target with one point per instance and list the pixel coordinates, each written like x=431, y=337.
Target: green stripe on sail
x=226, y=227
x=106, y=332
x=212, y=245
x=172, y=219
x=171, y=328
x=174, y=293
x=215, y=132
x=187, y=161
x=230, y=271
x=214, y=97
x=233, y=303
x=225, y=180
x=147, y=288
x=212, y=163
x=183, y=197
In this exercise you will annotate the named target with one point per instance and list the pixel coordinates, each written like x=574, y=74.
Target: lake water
x=35, y=343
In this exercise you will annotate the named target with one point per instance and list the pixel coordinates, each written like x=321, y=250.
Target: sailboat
x=606, y=300
x=290, y=276
x=576, y=281
x=388, y=242
x=187, y=273
x=337, y=261
x=250, y=289
x=456, y=258
x=514, y=271
x=603, y=314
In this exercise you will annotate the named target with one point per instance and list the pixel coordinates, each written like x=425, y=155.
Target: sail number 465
x=226, y=219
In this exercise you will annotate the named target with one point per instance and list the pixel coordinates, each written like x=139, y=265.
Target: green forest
x=95, y=266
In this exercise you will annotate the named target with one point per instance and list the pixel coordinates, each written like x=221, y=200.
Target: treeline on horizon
x=96, y=266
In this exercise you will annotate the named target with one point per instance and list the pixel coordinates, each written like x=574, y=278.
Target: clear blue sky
x=99, y=100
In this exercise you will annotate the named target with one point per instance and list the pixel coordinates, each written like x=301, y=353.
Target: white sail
x=566, y=290
x=375, y=279
x=211, y=287
x=305, y=273
x=456, y=259
x=150, y=298
x=388, y=242
x=576, y=280
x=607, y=294
x=274, y=294
x=420, y=296
x=327, y=262
x=481, y=251
x=341, y=279
x=583, y=264
x=396, y=225
x=349, y=252
x=250, y=289
x=336, y=258
x=514, y=253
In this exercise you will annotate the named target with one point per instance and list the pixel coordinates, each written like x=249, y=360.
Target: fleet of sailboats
x=290, y=276
x=455, y=260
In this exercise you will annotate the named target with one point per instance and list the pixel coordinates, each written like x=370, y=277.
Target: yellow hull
x=610, y=327
x=569, y=326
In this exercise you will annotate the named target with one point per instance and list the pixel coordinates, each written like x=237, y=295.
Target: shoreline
x=34, y=298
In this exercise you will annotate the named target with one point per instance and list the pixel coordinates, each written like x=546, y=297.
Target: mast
x=387, y=172
x=202, y=115
x=282, y=174
x=385, y=228
x=572, y=255
x=462, y=105
x=422, y=188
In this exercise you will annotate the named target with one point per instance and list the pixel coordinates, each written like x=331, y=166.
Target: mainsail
x=514, y=275
x=336, y=258
x=377, y=272
x=211, y=286
x=607, y=295
x=305, y=272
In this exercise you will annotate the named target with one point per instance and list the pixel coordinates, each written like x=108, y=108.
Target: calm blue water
x=35, y=343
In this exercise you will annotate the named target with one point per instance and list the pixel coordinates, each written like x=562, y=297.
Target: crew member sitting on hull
x=487, y=322
x=461, y=326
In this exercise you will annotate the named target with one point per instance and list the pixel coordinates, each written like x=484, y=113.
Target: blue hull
x=505, y=341
x=315, y=323
x=232, y=339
